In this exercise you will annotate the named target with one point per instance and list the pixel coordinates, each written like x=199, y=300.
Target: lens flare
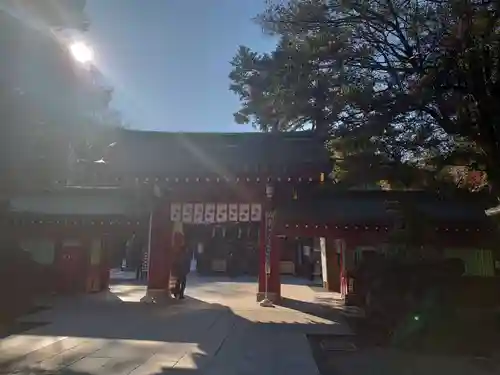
x=81, y=52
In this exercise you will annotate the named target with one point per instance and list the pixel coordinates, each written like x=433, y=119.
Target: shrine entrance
x=301, y=258
x=223, y=249
x=222, y=236
x=222, y=191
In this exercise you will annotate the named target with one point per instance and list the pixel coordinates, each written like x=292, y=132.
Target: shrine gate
x=244, y=200
x=224, y=182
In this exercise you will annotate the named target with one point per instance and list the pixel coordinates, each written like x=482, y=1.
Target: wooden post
x=270, y=276
x=105, y=263
x=333, y=263
x=275, y=276
x=159, y=254
x=262, y=259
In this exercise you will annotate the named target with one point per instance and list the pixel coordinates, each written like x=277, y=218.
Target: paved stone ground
x=391, y=361
x=219, y=329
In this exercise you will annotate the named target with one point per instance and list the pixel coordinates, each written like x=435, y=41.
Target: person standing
x=312, y=268
x=181, y=269
x=136, y=257
x=129, y=253
x=138, y=264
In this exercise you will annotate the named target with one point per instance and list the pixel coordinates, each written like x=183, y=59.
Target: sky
x=168, y=60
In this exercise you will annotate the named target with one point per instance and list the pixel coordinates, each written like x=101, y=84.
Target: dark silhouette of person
x=136, y=257
x=182, y=267
x=311, y=265
x=138, y=265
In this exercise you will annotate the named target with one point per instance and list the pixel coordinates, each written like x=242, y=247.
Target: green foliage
x=402, y=88
x=49, y=105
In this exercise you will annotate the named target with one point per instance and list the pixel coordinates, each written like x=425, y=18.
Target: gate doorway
x=301, y=258
x=229, y=249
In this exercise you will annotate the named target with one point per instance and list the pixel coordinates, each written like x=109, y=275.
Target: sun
x=81, y=52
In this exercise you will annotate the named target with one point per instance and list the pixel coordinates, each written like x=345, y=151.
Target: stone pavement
x=391, y=361
x=219, y=329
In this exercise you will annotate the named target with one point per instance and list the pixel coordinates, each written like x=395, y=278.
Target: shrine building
x=235, y=200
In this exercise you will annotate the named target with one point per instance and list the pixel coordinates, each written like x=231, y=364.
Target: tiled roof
x=340, y=211
x=364, y=207
x=93, y=202
x=157, y=153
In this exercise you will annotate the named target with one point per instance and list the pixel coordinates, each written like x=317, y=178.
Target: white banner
x=198, y=213
x=187, y=213
x=244, y=212
x=221, y=212
x=210, y=213
x=175, y=212
x=233, y=212
x=256, y=212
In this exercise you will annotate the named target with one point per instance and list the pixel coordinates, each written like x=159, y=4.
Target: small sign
x=175, y=212
x=221, y=212
x=187, y=213
x=210, y=213
x=269, y=237
x=233, y=212
x=244, y=212
x=198, y=213
x=256, y=212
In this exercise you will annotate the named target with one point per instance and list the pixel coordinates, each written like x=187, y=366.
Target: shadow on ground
x=311, y=308
x=452, y=348
x=127, y=334
x=132, y=337
x=112, y=369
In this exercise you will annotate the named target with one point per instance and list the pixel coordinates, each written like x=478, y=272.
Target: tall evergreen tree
x=403, y=89
x=50, y=106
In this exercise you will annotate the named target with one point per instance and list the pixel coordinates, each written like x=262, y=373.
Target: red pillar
x=333, y=262
x=159, y=252
x=275, y=277
x=274, y=282
x=104, y=272
x=262, y=258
